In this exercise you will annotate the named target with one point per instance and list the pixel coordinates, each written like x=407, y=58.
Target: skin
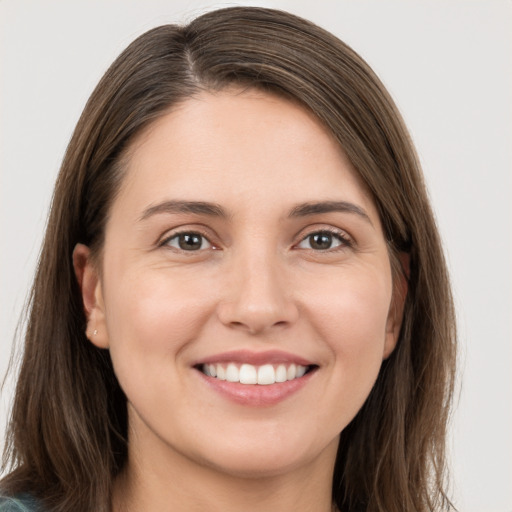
x=257, y=283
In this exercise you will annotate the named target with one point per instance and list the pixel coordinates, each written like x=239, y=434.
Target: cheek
x=352, y=318
x=151, y=316
x=348, y=319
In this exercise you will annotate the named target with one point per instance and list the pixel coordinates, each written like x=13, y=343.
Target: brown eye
x=320, y=241
x=188, y=242
x=323, y=241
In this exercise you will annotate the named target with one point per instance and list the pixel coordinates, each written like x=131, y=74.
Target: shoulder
x=22, y=503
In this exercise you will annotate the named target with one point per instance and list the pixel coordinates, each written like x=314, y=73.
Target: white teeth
x=266, y=374
x=221, y=372
x=232, y=373
x=281, y=373
x=301, y=370
x=250, y=374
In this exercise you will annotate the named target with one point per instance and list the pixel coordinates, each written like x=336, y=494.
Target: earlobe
x=89, y=282
x=396, y=310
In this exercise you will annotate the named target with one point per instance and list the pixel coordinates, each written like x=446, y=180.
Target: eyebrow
x=197, y=207
x=215, y=210
x=306, y=209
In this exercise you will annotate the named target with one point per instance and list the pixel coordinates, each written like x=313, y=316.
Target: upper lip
x=255, y=358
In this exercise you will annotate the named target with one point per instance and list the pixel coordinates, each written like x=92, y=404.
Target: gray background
x=447, y=64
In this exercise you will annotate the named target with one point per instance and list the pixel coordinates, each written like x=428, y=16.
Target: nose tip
x=255, y=320
x=257, y=302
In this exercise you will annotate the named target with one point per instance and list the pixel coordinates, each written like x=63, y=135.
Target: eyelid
x=184, y=230
x=341, y=234
x=346, y=239
x=204, y=241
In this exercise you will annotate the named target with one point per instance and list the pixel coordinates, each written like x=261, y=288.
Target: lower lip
x=255, y=395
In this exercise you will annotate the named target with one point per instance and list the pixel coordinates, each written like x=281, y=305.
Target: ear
x=396, y=310
x=89, y=282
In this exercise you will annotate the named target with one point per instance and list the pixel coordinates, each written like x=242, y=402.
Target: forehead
x=248, y=142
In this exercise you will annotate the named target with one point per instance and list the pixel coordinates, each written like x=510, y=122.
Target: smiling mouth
x=264, y=375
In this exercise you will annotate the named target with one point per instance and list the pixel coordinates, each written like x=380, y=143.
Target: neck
x=172, y=482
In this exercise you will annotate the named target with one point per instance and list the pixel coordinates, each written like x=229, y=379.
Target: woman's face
x=241, y=252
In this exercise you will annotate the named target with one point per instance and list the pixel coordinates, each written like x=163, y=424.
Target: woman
x=241, y=302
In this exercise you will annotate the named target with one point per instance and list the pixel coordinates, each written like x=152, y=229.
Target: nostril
x=256, y=314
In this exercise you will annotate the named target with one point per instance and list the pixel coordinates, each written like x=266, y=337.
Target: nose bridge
x=257, y=298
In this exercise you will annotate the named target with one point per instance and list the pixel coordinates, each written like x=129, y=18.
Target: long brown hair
x=67, y=435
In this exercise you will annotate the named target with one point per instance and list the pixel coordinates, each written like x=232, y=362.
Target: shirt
x=21, y=503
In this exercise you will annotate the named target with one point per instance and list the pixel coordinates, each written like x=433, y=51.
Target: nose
x=257, y=297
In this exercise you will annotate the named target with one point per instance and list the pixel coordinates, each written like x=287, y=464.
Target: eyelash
x=193, y=233
x=345, y=241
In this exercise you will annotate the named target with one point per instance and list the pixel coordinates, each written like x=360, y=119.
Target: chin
x=267, y=458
